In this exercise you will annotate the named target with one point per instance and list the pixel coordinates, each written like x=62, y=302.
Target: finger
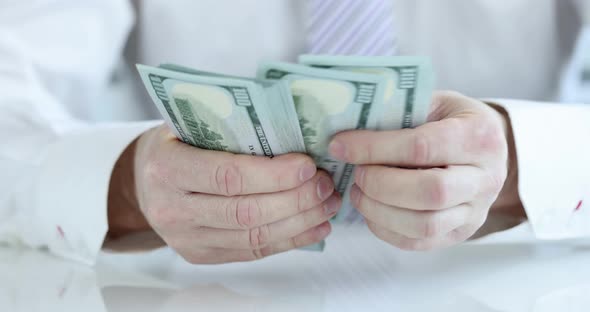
x=251, y=211
x=411, y=223
x=223, y=255
x=406, y=243
x=424, y=189
x=310, y=237
x=267, y=234
x=213, y=172
x=453, y=141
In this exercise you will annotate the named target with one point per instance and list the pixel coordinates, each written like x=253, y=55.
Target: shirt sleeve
x=553, y=153
x=56, y=58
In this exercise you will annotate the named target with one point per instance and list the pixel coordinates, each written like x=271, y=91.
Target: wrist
x=124, y=215
x=508, y=201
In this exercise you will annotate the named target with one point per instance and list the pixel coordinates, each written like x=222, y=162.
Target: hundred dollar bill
x=224, y=113
x=410, y=82
x=327, y=102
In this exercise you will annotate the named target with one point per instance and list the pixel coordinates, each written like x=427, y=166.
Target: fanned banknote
x=410, y=81
x=224, y=113
x=328, y=102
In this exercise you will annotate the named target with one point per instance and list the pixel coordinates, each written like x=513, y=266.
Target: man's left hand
x=431, y=186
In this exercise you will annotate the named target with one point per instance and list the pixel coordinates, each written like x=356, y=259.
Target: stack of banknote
x=293, y=107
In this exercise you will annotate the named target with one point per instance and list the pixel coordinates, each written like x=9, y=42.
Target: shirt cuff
x=73, y=188
x=553, y=149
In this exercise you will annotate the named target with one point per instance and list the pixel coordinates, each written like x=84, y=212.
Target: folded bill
x=328, y=102
x=410, y=81
x=225, y=113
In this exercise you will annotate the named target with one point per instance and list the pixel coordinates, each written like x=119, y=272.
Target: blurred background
x=575, y=82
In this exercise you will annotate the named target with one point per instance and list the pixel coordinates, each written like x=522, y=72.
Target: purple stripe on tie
x=363, y=33
x=358, y=28
x=349, y=26
x=378, y=35
x=334, y=28
x=368, y=32
x=327, y=18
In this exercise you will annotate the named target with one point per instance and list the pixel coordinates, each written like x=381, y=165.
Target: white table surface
x=356, y=272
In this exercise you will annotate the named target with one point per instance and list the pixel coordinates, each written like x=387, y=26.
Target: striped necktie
x=350, y=27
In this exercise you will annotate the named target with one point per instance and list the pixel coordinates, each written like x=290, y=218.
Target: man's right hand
x=216, y=207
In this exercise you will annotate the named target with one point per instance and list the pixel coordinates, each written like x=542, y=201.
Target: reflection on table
x=356, y=272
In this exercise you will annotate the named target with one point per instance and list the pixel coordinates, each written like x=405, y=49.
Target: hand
x=431, y=186
x=215, y=207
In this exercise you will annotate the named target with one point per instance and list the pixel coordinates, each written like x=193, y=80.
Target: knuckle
x=407, y=244
x=161, y=216
x=285, y=173
x=367, y=152
x=307, y=195
x=474, y=226
x=377, y=231
x=419, y=152
x=266, y=251
x=246, y=257
x=463, y=233
x=454, y=128
x=360, y=175
x=360, y=203
x=194, y=258
x=438, y=190
x=227, y=179
x=371, y=178
x=378, y=183
x=496, y=183
x=381, y=233
x=374, y=182
x=490, y=136
x=447, y=94
x=281, y=180
x=399, y=242
x=259, y=237
x=312, y=218
x=176, y=243
x=245, y=212
x=372, y=226
x=431, y=225
x=294, y=243
x=366, y=205
x=411, y=244
x=156, y=170
x=303, y=197
x=189, y=259
x=258, y=253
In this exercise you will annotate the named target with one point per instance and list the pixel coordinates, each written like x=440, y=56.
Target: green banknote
x=328, y=102
x=408, y=90
x=224, y=113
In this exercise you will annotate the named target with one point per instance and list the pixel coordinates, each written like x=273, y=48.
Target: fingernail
x=337, y=150
x=332, y=206
x=323, y=229
x=325, y=188
x=355, y=194
x=307, y=172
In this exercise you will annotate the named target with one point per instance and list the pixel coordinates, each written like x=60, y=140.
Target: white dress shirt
x=70, y=101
